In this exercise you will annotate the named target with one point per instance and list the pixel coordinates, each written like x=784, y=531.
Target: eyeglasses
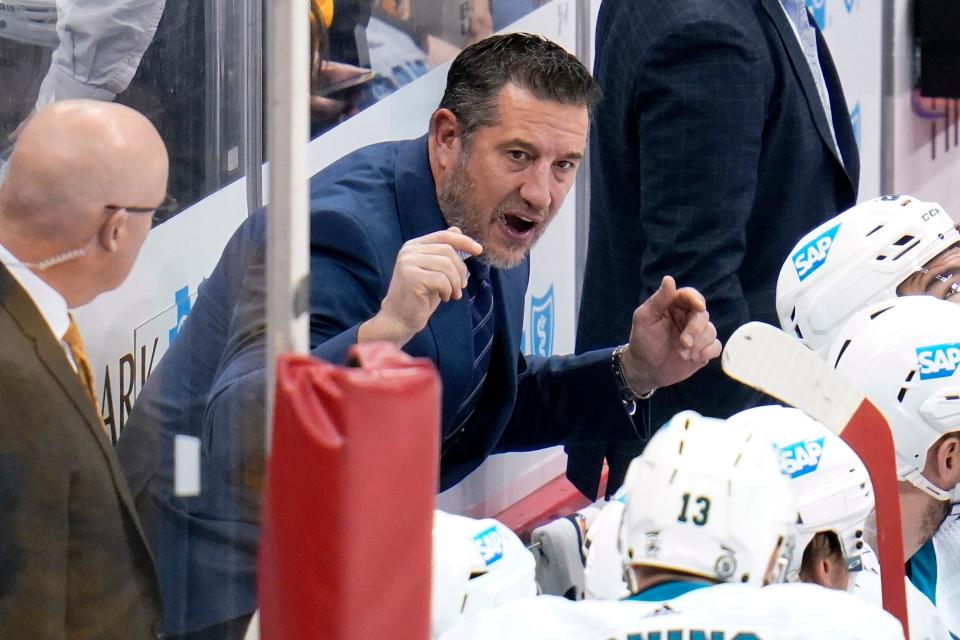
x=161, y=213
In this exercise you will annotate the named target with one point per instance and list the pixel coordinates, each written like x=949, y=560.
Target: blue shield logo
x=855, y=121
x=819, y=10
x=182, y=302
x=541, y=324
x=849, y=4
x=938, y=361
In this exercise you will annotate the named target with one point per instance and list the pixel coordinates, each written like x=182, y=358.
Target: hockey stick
x=767, y=359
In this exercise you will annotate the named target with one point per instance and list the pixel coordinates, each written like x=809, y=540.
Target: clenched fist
x=428, y=271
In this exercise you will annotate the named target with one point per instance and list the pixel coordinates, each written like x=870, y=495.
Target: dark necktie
x=480, y=297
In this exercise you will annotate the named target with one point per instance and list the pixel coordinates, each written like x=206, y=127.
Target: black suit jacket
x=73, y=560
x=710, y=156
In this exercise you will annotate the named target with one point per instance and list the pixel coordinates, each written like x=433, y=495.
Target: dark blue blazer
x=211, y=382
x=711, y=155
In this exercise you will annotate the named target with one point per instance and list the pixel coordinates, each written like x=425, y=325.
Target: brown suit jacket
x=73, y=560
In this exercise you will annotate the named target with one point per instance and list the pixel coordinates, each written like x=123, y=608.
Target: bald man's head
x=78, y=156
x=75, y=165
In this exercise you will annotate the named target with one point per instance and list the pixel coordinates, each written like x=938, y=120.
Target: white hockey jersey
x=946, y=544
x=722, y=612
x=926, y=622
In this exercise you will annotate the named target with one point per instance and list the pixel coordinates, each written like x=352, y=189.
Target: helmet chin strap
x=918, y=480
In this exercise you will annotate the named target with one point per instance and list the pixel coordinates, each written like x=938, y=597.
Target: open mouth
x=518, y=225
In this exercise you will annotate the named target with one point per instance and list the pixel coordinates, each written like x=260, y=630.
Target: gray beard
x=458, y=211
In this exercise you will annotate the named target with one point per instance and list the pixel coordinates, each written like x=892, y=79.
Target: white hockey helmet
x=604, y=573
x=707, y=498
x=830, y=483
x=903, y=353
x=30, y=22
x=476, y=564
x=855, y=259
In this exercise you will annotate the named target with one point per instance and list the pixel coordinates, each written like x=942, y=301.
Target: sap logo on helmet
x=801, y=458
x=490, y=545
x=938, y=361
x=812, y=255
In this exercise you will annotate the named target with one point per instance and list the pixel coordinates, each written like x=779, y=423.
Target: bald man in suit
x=84, y=181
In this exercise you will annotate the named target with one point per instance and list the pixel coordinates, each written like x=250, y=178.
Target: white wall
x=853, y=30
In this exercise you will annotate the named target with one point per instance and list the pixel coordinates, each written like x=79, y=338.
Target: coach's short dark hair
x=533, y=63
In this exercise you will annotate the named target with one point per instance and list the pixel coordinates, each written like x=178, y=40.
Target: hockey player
x=834, y=500
x=879, y=249
x=882, y=248
x=903, y=354
x=476, y=564
x=833, y=494
x=705, y=504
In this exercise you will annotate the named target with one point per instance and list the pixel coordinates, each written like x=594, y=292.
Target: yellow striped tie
x=75, y=342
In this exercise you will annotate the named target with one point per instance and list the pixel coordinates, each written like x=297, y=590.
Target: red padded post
x=348, y=505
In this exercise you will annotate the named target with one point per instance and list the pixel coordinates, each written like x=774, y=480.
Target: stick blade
x=765, y=358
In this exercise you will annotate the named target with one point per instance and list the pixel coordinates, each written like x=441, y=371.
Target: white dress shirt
x=48, y=300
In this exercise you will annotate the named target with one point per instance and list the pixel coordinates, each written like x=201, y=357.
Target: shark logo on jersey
x=938, y=361
x=801, y=458
x=812, y=255
x=490, y=545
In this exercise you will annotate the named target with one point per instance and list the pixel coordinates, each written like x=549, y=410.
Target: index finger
x=453, y=237
x=690, y=299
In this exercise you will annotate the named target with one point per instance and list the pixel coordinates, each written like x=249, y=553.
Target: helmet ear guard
x=855, y=259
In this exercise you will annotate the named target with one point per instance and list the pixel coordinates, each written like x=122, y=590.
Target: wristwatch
x=627, y=396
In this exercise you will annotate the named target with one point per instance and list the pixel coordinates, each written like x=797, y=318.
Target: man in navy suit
x=722, y=138
x=423, y=243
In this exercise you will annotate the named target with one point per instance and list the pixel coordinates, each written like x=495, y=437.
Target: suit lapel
x=802, y=70
x=49, y=352
x=450, y=325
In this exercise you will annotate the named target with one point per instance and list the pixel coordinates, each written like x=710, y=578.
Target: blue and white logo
x=541, y=324
x=489, y=544
x=182, y=303
x=849, y=4
x=819, y=10
x=938, y=361
x=812, y=255
x=801, y=458
x=855, y=122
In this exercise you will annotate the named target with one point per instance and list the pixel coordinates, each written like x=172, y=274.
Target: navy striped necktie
x=480, y=298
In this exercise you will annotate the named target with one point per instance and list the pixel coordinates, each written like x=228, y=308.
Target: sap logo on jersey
x=938, y=361
x=489, y=544
x=801, y=458
x=812, y=255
